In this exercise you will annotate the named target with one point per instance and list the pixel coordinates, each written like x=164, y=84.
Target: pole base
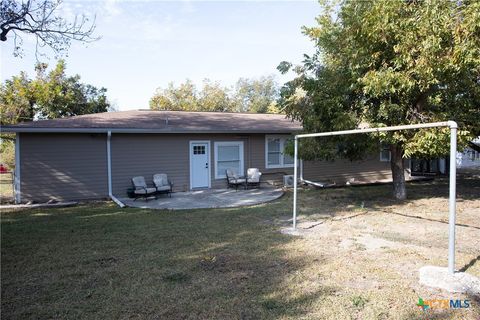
x=438, y=277
x=291, y=231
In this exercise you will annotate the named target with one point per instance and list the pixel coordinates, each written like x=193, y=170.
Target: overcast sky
x=147, y=44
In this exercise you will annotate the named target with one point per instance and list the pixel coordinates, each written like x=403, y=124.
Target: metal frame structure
x=452, y=180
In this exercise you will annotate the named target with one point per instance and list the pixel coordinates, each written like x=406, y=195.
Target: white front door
x=199, y=164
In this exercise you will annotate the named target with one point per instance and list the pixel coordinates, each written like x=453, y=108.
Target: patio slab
x=211, y=198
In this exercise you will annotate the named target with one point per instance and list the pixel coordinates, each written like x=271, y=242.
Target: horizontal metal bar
x=450, y=124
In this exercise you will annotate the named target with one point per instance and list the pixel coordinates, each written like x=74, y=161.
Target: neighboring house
x=94, y=156
x=467, y=159
x=470, y=157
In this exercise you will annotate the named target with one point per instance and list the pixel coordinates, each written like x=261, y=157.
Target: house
x=467, y=160
x=470, y=157
x=95, y=156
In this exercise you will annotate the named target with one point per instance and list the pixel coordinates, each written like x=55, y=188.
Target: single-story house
x=95, y=156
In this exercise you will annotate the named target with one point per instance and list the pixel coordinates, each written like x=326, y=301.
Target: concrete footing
x=292, y=232
x=438, y=277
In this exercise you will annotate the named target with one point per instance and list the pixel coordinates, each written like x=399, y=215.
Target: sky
x=148, y=44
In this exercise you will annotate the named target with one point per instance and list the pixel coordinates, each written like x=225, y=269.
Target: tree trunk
x=398, y=172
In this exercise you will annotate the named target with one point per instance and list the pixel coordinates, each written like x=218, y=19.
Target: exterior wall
x=147, y=154
x=257, y=160
x=74, y=166
x=343, y=171
x=63, y=166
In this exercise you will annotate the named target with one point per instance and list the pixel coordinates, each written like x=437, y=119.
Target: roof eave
x=133, y=130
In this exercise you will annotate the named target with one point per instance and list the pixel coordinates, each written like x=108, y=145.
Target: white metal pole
x=453, y=171
x=452, y=197
x=295, y=163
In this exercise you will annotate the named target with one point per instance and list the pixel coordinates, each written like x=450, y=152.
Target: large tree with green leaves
x=384, y=63
x=248, y=95
x=51, y=94
x=257, y=95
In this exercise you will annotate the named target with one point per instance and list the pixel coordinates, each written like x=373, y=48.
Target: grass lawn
x=358, y=258
x=6, y=188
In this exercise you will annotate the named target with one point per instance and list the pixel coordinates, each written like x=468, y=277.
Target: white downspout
x=16, y=184
x=109, y=171
x=301, y=170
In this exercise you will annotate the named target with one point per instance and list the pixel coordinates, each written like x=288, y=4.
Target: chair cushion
x=237, y=181
x=160, y=179
x=145, y=191
x=253, y=175
x=139, y=182
x=163, y=188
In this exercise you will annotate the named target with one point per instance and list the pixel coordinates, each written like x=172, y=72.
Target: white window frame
x=228, y=144
x=283, y=141
x=383, y=159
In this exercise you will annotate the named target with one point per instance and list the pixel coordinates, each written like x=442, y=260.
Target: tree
x=383, y=63
x=214, y=97
x=250, y=95
x=184, y=97
x=257, y=95
x=50, y=95
x=42, y=19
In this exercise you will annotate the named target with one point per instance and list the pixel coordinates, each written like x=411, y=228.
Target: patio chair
x=162, y=184
x=234, y=180
x=141, y=190
x=253, y=177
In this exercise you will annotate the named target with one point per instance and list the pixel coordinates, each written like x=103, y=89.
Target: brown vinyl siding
x=63, y=166
x=258, y=161
x=147, y=154
x=342, y=171
x=74, y=166
x=339, y=171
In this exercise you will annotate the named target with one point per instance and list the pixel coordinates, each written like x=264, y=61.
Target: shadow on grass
x=470, y=264
x=433, y=220
x=98, y=262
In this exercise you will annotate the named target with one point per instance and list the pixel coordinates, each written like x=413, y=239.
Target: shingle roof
x=164, y=121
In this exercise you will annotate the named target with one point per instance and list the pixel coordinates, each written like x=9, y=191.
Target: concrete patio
x=209, y=198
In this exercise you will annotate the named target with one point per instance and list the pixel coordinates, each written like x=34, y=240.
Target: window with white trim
x=228, y=155
x=385, y=154
x=275, y=156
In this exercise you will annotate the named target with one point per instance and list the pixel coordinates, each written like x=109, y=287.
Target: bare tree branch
x=41, y=18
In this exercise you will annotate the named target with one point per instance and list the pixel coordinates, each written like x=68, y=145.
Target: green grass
x=6, y=187
x=98, y=261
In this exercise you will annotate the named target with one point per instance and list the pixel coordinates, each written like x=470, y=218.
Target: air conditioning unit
x=288, y=181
